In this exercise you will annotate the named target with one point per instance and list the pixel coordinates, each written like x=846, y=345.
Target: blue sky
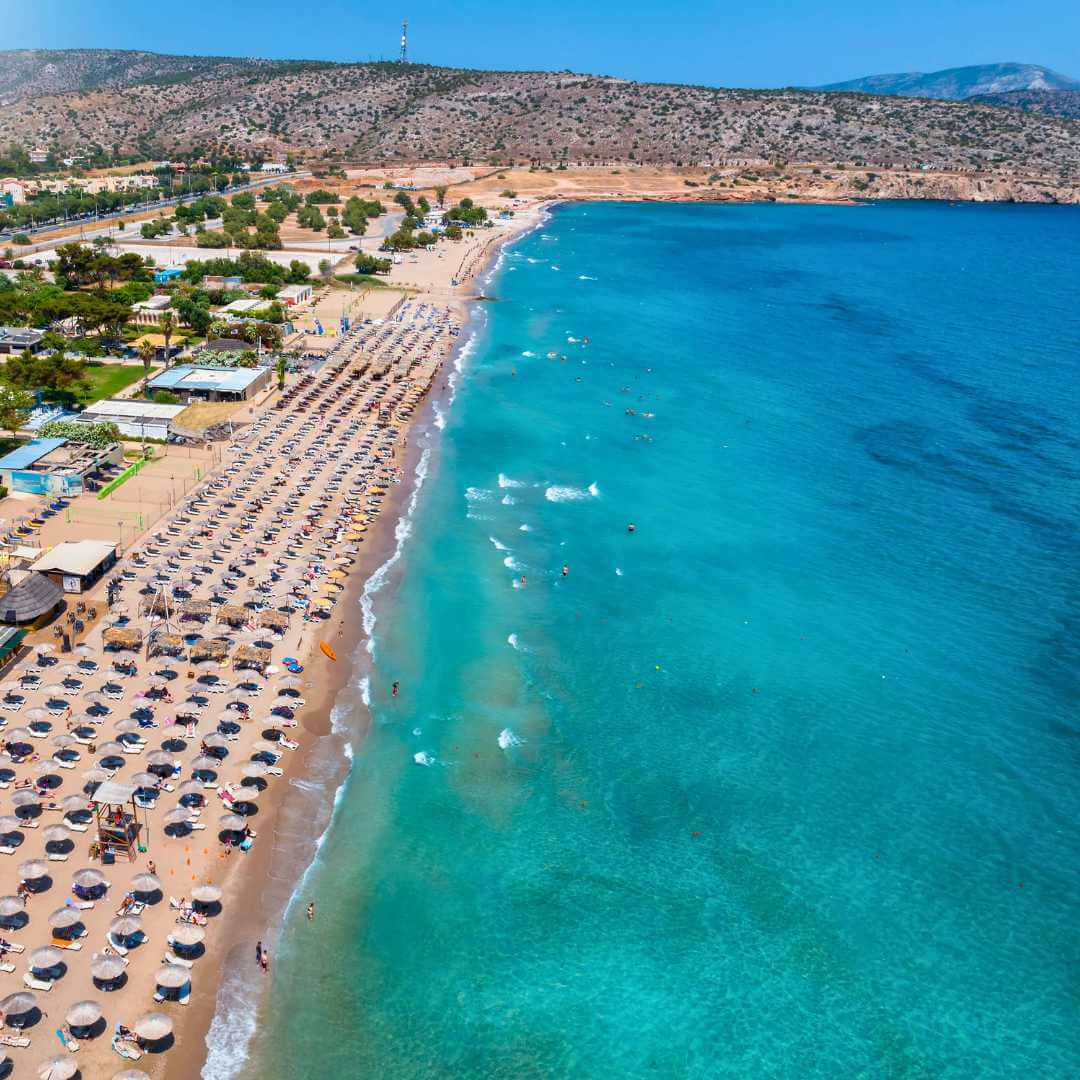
x=749, y=43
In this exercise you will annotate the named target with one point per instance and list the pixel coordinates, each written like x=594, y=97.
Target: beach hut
x=118, y=825
x=30, y=600
x=252, y=657
x=122, y=638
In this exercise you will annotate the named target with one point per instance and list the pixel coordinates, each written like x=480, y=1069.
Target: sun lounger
x=82, y=905
x=69, y=1044
x=67, y=943
x=4, y=966
x=13, y=947
x=111, y=943
x=14, y=1040
x=56, y=856
x=124, y=1049
x=32, y=983
x=4, y=850
x=76, y=826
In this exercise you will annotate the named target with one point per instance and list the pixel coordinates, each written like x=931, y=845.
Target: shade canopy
x=83, y=1014
x=153, y=1026
x=172, y=976
x=188, y=934
x=64, y=917
x=61, y=1067
x=90, y=878
x=45, y=957
x=107, y=968
x=18, y=1004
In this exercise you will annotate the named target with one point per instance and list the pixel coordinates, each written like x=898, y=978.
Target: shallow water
x=783, y=783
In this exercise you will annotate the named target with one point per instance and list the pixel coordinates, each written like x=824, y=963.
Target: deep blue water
x=796, y=790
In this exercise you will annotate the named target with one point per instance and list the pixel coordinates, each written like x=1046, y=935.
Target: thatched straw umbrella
x=206, y=894
x=45, y=957
x=154, y=1026
x=126, y=926
x=83, y=1014
x=145, y=884
x=33, y=869
x=17, y=1005
x=61, y=1067
x=64, y=918
x=188, y=935
x=107, y=969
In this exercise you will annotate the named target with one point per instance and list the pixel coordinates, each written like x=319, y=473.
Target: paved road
x=142, y=208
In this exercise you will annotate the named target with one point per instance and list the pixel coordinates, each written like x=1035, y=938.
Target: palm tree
x=146, y=355
x=168, y=325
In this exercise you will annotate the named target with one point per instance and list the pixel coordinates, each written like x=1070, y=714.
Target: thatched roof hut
x=233, y=614
x=251, y=656
x=199, y=610
x=274, y=619
x=167, y=644
x=123, y=637
x=30, y=599
x=210, y=649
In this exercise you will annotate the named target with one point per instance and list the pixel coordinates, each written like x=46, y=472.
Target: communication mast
x=404, y=57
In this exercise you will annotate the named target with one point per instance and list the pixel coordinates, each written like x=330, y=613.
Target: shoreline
x=248, y=892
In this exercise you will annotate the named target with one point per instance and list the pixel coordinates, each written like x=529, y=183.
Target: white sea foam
x=512, y=641
x=528, y=354
x=440, y=416
x=475, y=494
x=585, y=277
x=498, y=546
x=506, y=482
x=618, y=572
x=508, y=500
x=563, y=493
x=512, y=564
x=423, y=758
x=524, y=528
x=401, y=533
x=507, y=739
x=365, y=690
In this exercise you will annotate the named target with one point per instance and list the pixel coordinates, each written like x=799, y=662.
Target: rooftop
x=125, y=409
x=189, y=377
x=23, y=457
x=19, y=336
x=75, y=557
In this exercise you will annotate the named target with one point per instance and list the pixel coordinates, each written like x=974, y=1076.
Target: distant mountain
x=1064, y=103
x=960, y=83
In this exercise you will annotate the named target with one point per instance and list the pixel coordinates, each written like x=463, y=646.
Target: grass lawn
x=107, y=380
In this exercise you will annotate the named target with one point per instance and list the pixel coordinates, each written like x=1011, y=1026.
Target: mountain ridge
x=959, y=83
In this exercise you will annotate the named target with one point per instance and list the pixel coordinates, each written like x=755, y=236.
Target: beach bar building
x=54, y=466
x=76, y=565
x=135, y=417
x=193, y=383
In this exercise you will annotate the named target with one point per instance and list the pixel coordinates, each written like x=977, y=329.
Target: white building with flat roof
x=135, y=418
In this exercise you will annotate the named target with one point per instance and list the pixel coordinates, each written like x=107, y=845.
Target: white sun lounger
x=36, y=984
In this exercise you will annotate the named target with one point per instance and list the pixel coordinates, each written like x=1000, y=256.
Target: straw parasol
x=72, y=804
x=18, y=1004
x=107, y=968
x=64, y=917
x=90, y=878
x=255, y=769
x=155, y=1026
x=188, y=934
x=145, y=883
x=206, y=894
x=45, y=957
x=83, y=1014
x=172, y=977
x=33, y=869
x=10, y=905
x=231, y=823
x=190, y=787
x=61, y=1067
x=180, y=816
x=123, y=637
x=125, y=926
x=56, y=834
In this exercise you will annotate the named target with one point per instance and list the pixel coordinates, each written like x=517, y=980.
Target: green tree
x=281, y=368
x=15, y=406
x=147, y=353
x=440, y=194
x=168, y=328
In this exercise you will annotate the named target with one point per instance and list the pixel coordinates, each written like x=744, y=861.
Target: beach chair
x=67, y=944
x=68, y=1042
x=172, y=958
x=111, y=943
x=82, y=905
x=12, y=947
x=56, y=856
x=124, y=1049
x=19, y=1041
x=6, y=967
x=32, y=983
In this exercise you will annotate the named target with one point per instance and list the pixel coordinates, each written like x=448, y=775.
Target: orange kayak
x=326, y=649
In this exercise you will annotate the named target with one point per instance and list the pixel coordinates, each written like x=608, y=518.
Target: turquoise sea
x=785, y=782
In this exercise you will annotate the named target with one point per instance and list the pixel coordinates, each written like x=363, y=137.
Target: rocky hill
x=26, y=73
x=395, y=112
x=1049, y=102
x=959, y=83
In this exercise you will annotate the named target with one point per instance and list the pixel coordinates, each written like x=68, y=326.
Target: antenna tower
x=404, y=57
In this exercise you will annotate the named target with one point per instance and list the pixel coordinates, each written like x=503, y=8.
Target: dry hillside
x=391, y=112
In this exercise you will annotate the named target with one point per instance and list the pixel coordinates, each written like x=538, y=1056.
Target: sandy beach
x=178, y=697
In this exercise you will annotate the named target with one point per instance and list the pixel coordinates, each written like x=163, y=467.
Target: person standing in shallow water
x=259, y=953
